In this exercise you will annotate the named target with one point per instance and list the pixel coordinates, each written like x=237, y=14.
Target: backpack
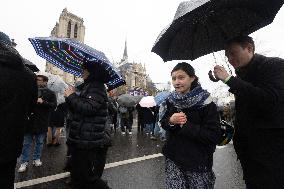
x=227, y=132
x=122, y=109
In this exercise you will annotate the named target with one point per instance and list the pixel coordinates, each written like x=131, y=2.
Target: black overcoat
x=39, y=120
x=18, y=95
x=259, y=123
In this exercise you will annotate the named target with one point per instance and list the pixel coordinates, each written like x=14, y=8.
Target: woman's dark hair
x=97, y=71
x=189, y=70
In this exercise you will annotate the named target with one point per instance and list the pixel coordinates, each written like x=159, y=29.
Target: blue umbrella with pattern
x=70, y=54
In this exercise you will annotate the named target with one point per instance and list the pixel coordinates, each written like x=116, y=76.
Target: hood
x=9, y=57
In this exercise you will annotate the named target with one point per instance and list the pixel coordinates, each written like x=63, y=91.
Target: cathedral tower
x=69, y=26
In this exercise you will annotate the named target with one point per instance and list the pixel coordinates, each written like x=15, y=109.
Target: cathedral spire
x=125, y=56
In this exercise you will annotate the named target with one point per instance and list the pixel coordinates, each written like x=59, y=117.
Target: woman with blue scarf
x=191, y=120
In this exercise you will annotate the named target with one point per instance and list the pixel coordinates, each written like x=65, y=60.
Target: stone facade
x=135, y=75
x=69, y=26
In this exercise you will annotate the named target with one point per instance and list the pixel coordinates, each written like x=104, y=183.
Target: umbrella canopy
x=70, y=54
x=203, y=26
x=128, y=100
x=30, y=65
x=161, y=97
x=147, y=102
x=56, y=84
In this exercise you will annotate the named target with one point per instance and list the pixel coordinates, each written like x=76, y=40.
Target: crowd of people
x=188, y=120
x=122, y=118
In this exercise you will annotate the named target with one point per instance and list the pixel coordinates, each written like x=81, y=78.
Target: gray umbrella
x=56, y=84
x=203, y=26
x=30, y=65
x=128, y=100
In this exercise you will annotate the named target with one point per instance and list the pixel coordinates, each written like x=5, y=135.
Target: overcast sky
x=109, y=22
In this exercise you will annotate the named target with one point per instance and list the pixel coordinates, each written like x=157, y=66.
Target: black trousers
x=262, y=158
x=115, y=124
x=87, y=167
x=7, y=174
x=124, y=122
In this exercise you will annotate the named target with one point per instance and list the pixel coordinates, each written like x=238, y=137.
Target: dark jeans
x=87, y=168
x=27, y=146
x=124, y=122
x=140, y=124
x=7, y=174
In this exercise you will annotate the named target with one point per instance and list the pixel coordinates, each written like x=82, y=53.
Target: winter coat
x=18, y=95
x=57, y=116
x=148, y=115
x=39, y=120
x=259, y=92
x=112, y=110
x=192, y=146
x=128, y=115
x=87, y=119
x=130, y=118
x=139, y=114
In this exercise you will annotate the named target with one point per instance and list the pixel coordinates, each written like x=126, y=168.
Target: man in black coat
x=112, y=112
x=148, y=117
x=259, y=124
x=18, y=94
x=46, y=102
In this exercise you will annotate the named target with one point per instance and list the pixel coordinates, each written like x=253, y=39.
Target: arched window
x=75, y=31
x=69, y=29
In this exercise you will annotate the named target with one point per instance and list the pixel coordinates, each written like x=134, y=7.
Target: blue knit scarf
x=197, y=97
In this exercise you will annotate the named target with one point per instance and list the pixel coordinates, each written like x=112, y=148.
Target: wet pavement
x=124, y=170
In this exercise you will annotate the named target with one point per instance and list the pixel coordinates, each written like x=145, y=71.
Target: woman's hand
x=69, y=91
x=178, y=119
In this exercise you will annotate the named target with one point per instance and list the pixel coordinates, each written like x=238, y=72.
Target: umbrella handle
x=211, y=77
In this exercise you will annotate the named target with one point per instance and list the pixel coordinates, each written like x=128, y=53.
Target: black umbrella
x=203, y=26
x=128, y=100
x=30, y=65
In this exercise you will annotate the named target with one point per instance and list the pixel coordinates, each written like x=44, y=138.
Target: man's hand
x=69, y=91
x=39, y=101
x=178, y=119
x=220, y=73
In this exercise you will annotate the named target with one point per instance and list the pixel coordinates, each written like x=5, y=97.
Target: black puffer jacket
x=18, y=95
x=87, y=119
x=192, y=146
